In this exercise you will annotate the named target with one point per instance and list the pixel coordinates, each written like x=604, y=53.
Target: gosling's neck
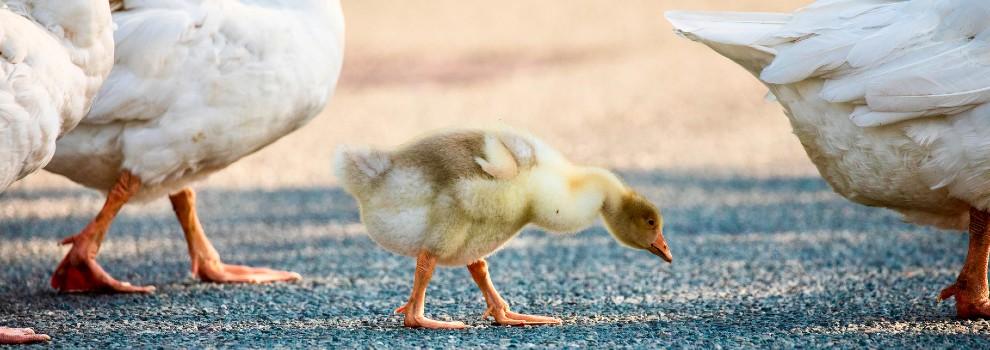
x=604, y=182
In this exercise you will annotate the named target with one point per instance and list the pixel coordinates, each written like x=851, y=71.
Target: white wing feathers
x=809, y=57
x=850, y=85
x=896, y=60
x=890, y=41
x=958, y=79
x=146, y=43
x=154, y=42
x=821, y=39
x=734, y=28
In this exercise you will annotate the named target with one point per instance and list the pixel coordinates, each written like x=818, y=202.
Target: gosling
x=455, y=197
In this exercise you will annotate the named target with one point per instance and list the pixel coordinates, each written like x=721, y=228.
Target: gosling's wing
x=520, y=148
x=505, y=154
x=497, y=160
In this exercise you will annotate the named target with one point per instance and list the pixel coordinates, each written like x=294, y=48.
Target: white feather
x=54, y=54
x=900, y=120
x=865, y=117
x=736, y=28
x=885, y=43
x=850, y=85
x=810, y=56
x=954, y=80
x=200, y=84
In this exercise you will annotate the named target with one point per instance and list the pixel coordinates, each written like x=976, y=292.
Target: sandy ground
x=767, y=254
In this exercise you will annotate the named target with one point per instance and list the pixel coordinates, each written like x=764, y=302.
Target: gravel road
x=759, y=262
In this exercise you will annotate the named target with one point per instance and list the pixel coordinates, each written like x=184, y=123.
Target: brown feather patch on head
x=638, y=207
x=634, y=222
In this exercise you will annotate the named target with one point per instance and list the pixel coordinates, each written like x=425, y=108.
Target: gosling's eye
x=651, y=222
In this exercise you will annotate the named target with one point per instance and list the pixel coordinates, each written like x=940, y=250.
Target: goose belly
x=878, y=166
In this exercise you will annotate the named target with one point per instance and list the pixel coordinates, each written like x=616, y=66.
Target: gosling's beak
x=659, y=248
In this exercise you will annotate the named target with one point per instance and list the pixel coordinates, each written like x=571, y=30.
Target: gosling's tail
x=358, y=168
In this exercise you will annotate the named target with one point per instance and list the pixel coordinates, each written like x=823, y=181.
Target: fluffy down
x=461, y=195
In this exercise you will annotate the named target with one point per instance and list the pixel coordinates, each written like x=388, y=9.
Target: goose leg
x=206, y=263
x=498, y=307
x=21, y=336
x=970, y=289
x=79, y=271
x=414, y=309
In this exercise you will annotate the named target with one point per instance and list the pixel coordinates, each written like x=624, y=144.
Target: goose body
x=54, y=55
x=888, y=97
x=885, y=96
x=196, y=86
x=455, y=197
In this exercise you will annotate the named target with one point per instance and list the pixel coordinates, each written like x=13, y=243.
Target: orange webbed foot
x=498, y=308
x=968, y=305
x=419, y=321
x=206, y=262
x=506, y=317
x=21, y=336
x=79, y=272
x=423, y=322
x=219, y=272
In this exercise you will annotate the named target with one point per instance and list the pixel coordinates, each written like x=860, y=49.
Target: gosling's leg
x=79, y=271
x=970, y=289
x=425, y=263
x=206, y=263
x=498, y=307
x=21, y=336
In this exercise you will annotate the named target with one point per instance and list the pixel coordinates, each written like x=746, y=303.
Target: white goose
x=54, y=54
x=197, y=85
x=890, y=100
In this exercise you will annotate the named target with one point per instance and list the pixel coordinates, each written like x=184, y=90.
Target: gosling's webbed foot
x=419, y=321
x=506, y=317
x=21, y=336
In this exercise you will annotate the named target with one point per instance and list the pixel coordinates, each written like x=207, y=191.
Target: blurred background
x=607, y=83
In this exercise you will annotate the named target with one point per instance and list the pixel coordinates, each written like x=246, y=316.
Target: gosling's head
x=637, y=223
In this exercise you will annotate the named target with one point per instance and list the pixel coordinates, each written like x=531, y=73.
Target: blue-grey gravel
x=763, y=262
